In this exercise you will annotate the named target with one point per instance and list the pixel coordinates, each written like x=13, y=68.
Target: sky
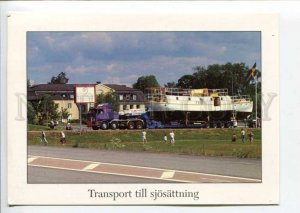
x=122, y=57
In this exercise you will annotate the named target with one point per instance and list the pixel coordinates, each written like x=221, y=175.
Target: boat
x=184, y=105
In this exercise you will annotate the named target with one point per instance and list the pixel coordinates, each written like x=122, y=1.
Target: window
x=121, y=97
x=124, y=107
x=69, y=105
x=131, y=106
x=138, y=106
x=189, y=99
x=127, y=97
x=134, y=97
x=72, y=96
x=176, y=98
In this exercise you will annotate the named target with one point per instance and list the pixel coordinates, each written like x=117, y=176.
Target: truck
x=103, y=117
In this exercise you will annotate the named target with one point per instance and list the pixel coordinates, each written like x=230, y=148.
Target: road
x=77, y=165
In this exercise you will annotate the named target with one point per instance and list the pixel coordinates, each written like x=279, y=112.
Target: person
x=165, y=138
x=63, y=138
x=243, y=135
x=52, y=124
x=172, y=137
x=68, y=127
x=144, y=136
x=44, y=139
x=251, y=136
x=233, y=139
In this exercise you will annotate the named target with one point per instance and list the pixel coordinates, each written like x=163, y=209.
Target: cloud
x=124, y=56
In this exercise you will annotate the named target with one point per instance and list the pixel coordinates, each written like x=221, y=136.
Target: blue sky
x=122, y=57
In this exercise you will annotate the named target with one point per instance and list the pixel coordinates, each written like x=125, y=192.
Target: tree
x=65, y=113
x=170, y=84
x=110, y=97
x=186, y=82
x=61, y=78
x=145, y=81
x=31, y=114
x=46, y=109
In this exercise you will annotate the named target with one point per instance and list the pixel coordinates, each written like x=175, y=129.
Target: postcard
x=143, y=109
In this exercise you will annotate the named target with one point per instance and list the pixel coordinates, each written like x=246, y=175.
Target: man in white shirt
x=144, y=136
x=172, y=137
x=243, y=135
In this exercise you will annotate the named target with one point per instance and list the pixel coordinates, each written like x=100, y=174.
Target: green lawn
x=209, y=142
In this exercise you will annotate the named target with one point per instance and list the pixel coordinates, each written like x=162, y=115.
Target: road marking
x=206, y=176
x=91, y=166
x=167, y=174
x=31, y=159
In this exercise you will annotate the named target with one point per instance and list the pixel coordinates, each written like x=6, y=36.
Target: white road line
x=91, y=166
x=199, y=173
x=167, y=174
x=31, y=159
x=108, y=173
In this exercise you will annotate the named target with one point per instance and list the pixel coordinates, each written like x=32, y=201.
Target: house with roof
x=62, y=95
x=130, y=100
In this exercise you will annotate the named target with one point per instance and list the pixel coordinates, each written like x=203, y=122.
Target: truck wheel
x=130, y=125
x=95, y=127
x=114, y=125
x=222, y=125
x=215, y=125
x=138, y=125
x=104, y=126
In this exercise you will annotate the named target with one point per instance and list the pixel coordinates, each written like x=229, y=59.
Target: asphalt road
x=245, y=168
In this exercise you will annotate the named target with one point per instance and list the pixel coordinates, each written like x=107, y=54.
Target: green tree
x=186, y=82
x=145, y=81
x=31, y=114
x=65, y=113
x=61, y=78
x=110, y=97
x=46, y=109
x=170, y=85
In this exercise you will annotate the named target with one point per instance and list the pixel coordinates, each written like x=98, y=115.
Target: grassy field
x=208, y=142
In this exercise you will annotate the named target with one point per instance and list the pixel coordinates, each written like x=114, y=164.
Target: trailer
x=103, y=117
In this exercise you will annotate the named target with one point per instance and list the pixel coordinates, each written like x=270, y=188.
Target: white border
x=19, y=192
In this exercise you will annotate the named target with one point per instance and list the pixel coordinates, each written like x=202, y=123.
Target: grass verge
x=207, y=142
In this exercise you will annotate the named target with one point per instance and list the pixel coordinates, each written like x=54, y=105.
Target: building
x=130, y=100
x=62, y=95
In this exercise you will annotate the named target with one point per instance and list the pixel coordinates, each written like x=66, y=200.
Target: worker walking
x=243, y=135
x=251, y=136
x=144, y=139
x=43, y=138
x=63, y=138
x=172, y=138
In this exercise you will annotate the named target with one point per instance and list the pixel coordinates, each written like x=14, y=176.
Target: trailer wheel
x=104, y=126
x=114, y=125
x=130, y=125
x=138, y=125
x=95, y=127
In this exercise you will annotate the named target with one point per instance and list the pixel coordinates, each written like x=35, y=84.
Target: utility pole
x=256, y=101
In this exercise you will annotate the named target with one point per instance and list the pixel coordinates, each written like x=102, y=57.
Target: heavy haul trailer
x=103, y=117
x=179, y=119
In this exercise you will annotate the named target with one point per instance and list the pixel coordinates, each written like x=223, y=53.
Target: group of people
x=243, y=134
x=62, y=138
x=172, y=137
